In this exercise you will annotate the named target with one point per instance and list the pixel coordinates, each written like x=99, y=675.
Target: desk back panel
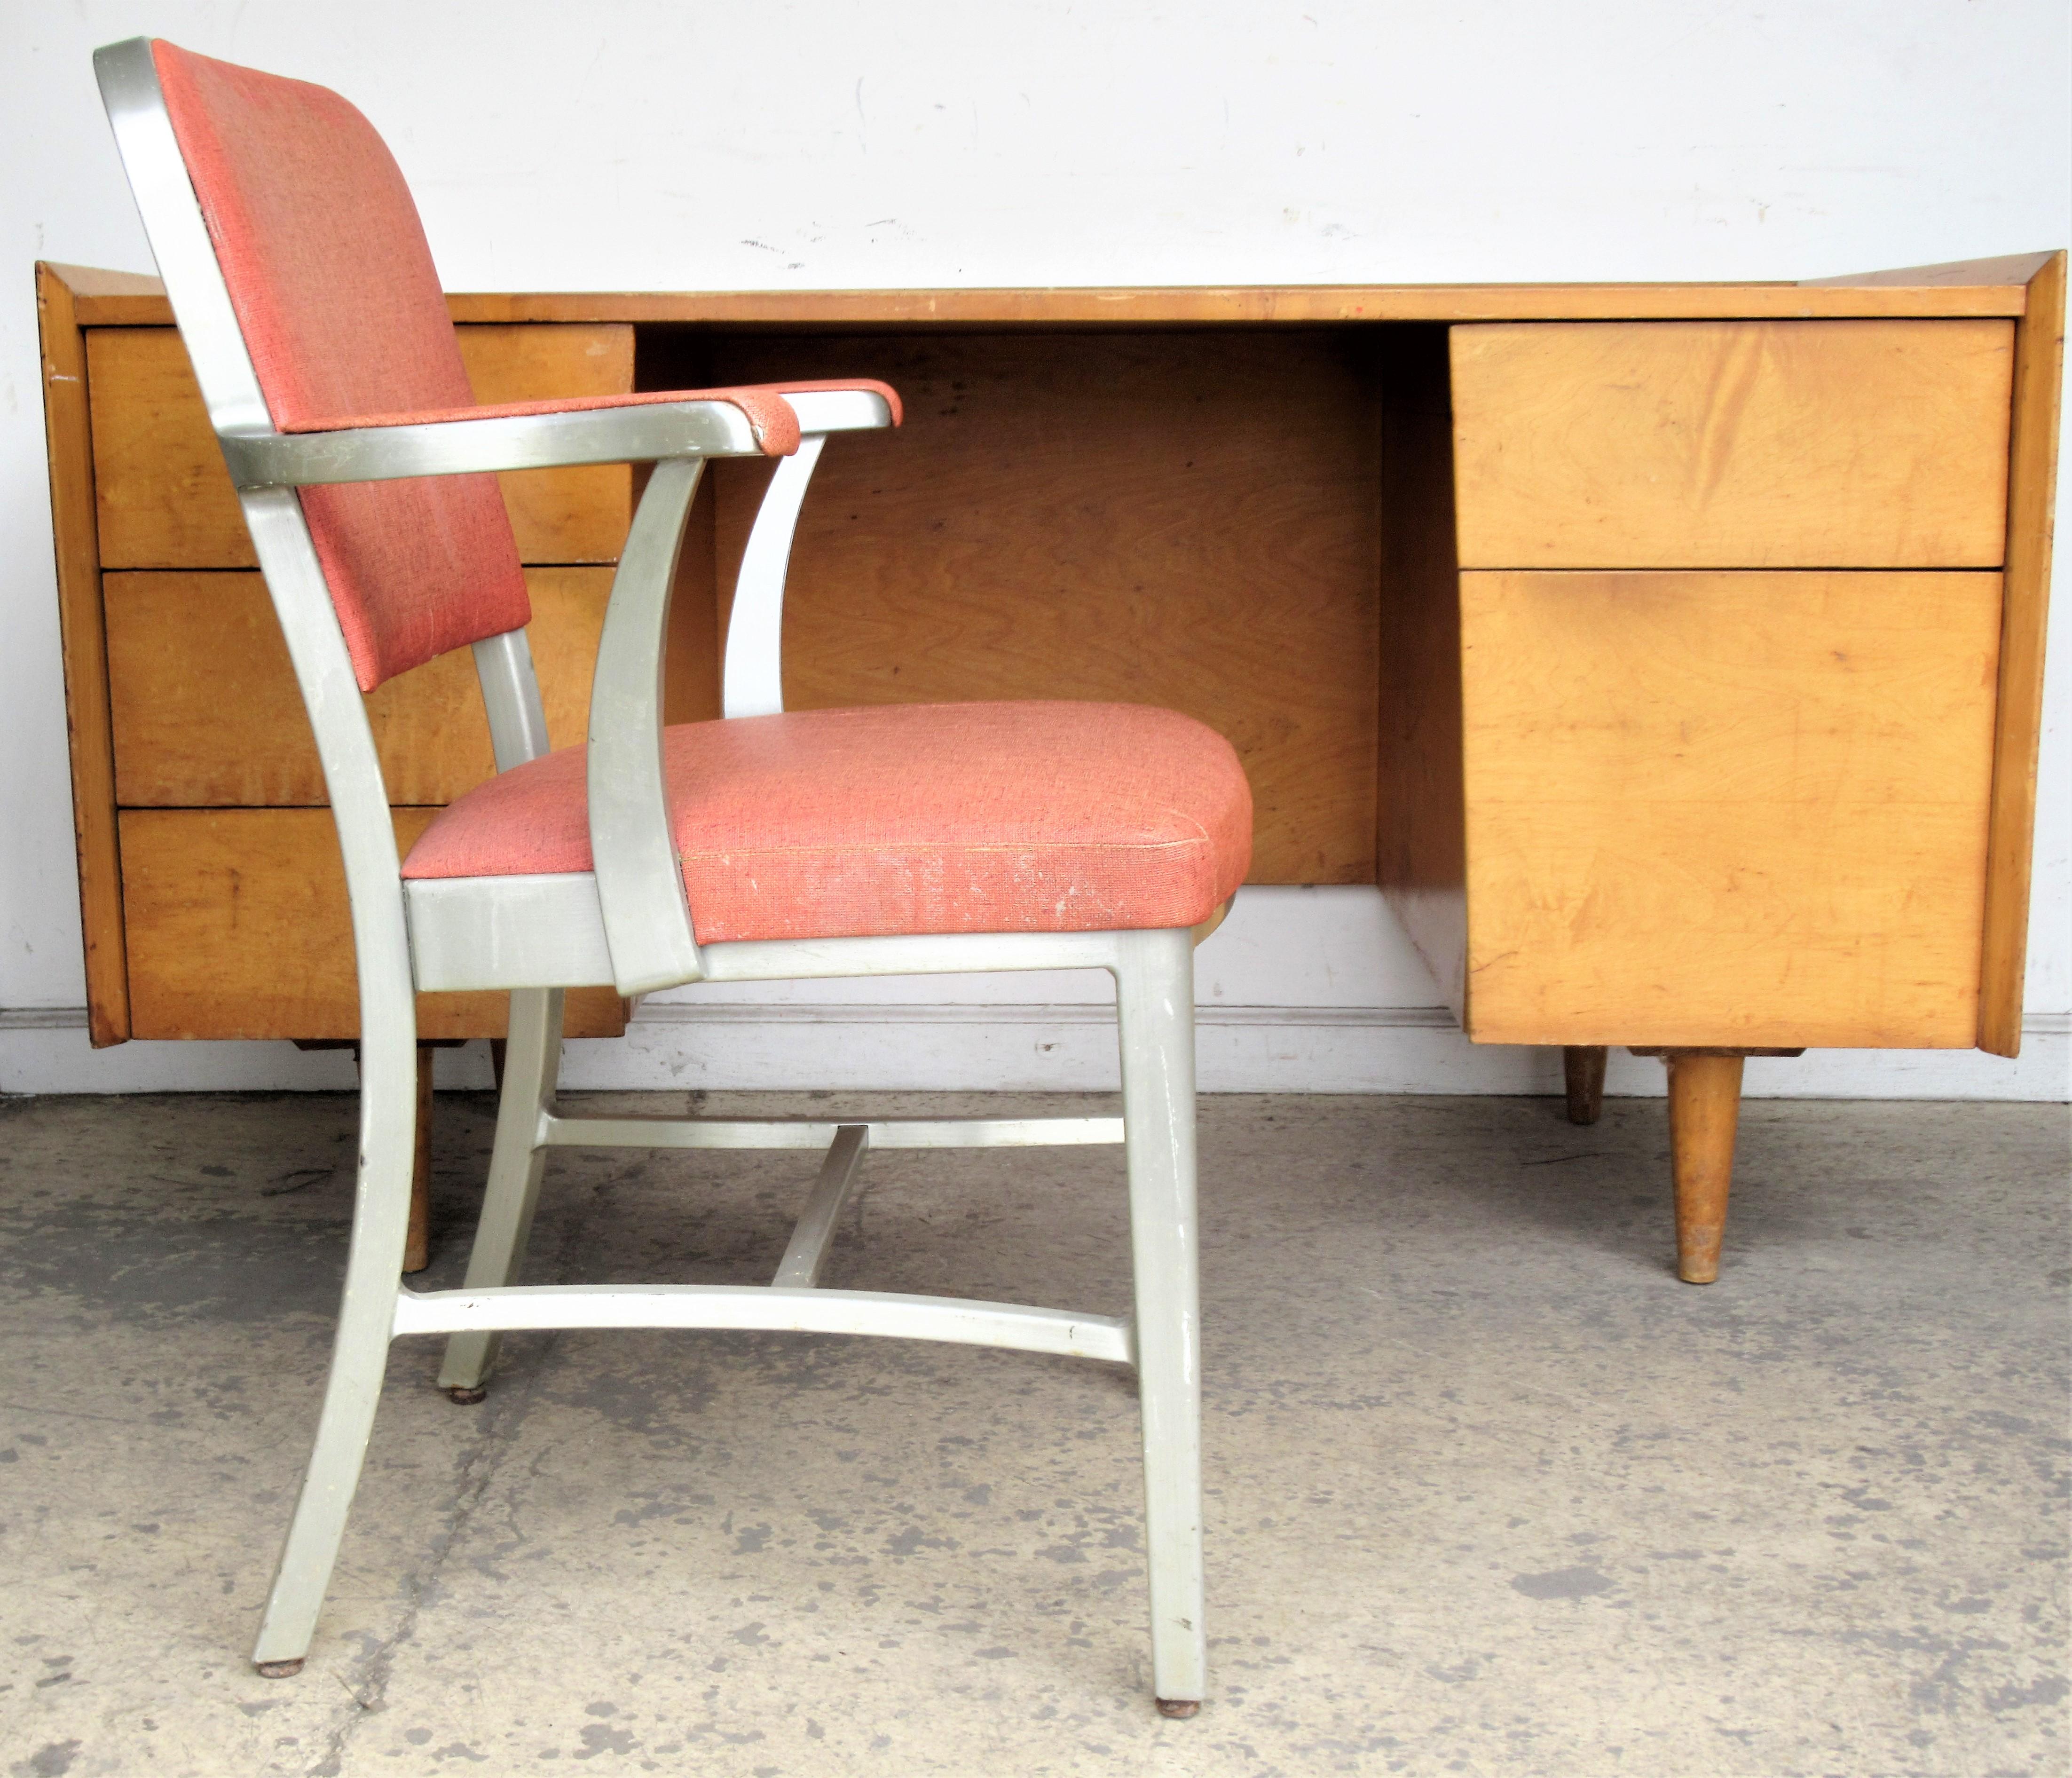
x=1187, y=519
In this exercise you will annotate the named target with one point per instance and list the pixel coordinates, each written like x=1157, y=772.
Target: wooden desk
x=1670, y=656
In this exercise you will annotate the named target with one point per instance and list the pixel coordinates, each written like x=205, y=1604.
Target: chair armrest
x=861, y=406
x=642, y=428
x=752, y=678
x=633, y=851
x=488, y=440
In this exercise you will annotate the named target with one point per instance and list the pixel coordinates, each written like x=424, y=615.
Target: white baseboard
x=859, y=1046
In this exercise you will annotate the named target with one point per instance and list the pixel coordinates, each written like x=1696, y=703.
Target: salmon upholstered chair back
x=343, y=315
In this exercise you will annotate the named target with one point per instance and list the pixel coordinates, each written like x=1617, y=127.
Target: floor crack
x=499, y=1417
x=367, y=1684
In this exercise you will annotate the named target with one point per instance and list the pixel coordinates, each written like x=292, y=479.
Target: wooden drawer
x=1727, y=808
x=206, y=712
x=164, y=500
x=237, y=926
x=1732, y=444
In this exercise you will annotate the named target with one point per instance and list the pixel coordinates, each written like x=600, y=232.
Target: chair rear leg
x=359, y=1354
x=531, y=1060
x=1155, y=1009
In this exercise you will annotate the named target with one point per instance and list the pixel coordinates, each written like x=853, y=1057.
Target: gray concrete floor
x=1489, y=1490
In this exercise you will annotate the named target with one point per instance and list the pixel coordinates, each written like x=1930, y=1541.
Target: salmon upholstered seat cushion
x=998, y=818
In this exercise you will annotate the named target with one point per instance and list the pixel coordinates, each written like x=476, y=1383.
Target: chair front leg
x=359, y=1354
x=531, y=1060
x=1155, y=1010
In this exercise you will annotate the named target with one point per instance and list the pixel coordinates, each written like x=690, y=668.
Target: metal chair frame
x=627, y=923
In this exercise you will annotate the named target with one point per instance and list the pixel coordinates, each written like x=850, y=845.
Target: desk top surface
x=1972, y=287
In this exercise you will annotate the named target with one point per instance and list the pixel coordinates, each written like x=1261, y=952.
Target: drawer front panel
x=1732, y=444
x=578, y=514
x=238, y=927
x=164, y=499
x=1727, y=808
x=207, y=714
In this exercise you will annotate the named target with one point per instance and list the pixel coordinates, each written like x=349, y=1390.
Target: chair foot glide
x=1180, y=1708
x=466, y=1396
x=287, y=1669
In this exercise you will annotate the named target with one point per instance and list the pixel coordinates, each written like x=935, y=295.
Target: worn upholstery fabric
x=1003, y=817
x=342, y=312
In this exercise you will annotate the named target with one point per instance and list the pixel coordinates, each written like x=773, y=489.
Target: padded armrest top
x=770, y=415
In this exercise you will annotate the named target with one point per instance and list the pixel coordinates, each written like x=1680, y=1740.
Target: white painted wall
x=650, y=145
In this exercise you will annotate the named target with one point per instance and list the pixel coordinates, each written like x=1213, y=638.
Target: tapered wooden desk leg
x=1704, y=1110
x=417, y=1244
x=1584, y=1066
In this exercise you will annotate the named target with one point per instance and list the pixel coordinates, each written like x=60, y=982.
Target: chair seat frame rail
x=627, y=923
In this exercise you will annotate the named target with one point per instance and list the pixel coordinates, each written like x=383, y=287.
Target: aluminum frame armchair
x=627, y=918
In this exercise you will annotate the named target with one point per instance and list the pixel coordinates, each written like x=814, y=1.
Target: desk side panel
x=2039, y=377
x=1420, y=858
x=2003, y=270
x=69, y=440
